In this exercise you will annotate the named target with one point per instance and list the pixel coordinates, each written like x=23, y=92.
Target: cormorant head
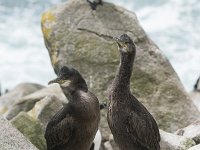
x=69, y=77
x=125, y=43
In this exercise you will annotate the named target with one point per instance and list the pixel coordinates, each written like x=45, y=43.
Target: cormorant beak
x=57, y=80
x=118, y=41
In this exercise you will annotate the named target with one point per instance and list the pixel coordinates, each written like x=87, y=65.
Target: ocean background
x=174, y=25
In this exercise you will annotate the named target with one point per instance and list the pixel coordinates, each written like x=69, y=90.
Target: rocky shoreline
x=31, y=112
x=78, y=36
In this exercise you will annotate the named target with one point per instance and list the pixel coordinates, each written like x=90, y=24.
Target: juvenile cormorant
x=197, y=85
x=75, y=125
x=95, y=3
x=132, y=126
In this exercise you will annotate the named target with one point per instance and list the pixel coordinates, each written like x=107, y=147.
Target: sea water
x=172, y=24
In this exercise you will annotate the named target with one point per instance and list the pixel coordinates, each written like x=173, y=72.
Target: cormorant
x=75, y=125
x=132, y=126
x=197, y=85
x=95, y=3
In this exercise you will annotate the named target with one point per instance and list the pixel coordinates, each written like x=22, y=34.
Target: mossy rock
x=28, y=102
x=31, y=129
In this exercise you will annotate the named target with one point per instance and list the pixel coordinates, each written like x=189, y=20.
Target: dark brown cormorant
x=132, y=126
x=95, y=3
x=75, y=125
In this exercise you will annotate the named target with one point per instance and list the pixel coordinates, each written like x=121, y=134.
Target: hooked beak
x=118, y=41
x=57, y=80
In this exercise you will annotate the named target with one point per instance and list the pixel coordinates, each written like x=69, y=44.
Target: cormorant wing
x=143, y=129
x=59, y=129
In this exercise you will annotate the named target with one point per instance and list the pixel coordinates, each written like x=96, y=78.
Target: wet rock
x=12, y=139
x=45, y=109
x=31, y=129
x=14, y=95
x=28, y=102
x=171, y=141
x=75, y=35
x=192, y=131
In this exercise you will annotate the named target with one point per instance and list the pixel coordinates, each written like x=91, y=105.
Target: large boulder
x=12, y=139
x=14, y=95
x=31, y=128
x=78, y=36
x=28, y=102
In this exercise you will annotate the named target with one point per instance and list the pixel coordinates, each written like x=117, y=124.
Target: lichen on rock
x=31, y=129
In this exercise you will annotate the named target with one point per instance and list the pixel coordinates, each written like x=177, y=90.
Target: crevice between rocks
x=105, y=37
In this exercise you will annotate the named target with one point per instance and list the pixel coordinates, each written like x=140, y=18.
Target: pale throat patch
x=125, y=49
x=66, y=83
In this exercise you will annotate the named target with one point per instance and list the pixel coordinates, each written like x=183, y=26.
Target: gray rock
x=16, y=94
x=195, y=96
x=112, y=142
x=28, y=102
x=171, y=141
x=108, y=146
x=197, y=147
x=12, y=139
x=75, y=35
x=31, y=129
x=45, y=109
x=192, y=131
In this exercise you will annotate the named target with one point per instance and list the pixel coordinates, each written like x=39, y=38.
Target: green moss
x=187, y=144
x=142, y=83
x=164, y=120
x=31, y=129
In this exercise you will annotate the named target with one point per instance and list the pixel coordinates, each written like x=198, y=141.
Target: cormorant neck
x=75, y=86
x=122, y=78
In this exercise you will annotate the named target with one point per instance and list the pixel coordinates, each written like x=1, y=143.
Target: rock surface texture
x=171, y=141
x=23, y=89
x=75, y=35
x=12, y=139
x=45, y=109
x=31, y=129
x=192, y=131
x=196, y=147
x=195, y=96
x=28, y=102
